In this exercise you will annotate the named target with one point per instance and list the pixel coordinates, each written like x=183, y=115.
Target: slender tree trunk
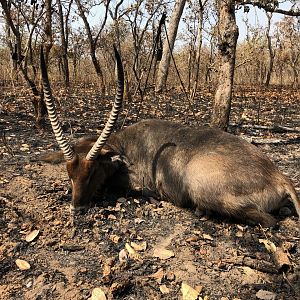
x=227, y=40
x=163, y=68
x=48, y=30
x=92, y=44
x=64, y=45
x=270, y=50
x=198, y=53
x=37, y=99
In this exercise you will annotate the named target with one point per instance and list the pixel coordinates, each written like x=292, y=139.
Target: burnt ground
x=72, y=256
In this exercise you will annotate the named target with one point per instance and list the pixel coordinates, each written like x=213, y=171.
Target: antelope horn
x=48, y=98
x=92, y=155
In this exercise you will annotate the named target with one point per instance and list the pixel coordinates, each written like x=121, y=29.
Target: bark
x=93, y=43
x=227, y=40
x=64, y=45
x=37, y=99
x=163, y=69
x=198, y=53
x=271, y=52
x=48, y=30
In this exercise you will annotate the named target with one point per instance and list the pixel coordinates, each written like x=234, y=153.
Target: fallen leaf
x=164, y=289
x=163, y=253
x=106, y=270
x=158, y=275
x=132, y=253
x=22, y=264
x=207, y=237
x=98, y=294
x=115, y=238
x=123, y=256
x=111, y=217
x=32, y=235
x=239, y=234
x=139, y=247
x=188, y=293
x=268, y=244
x=192, y=239
x=265, y=295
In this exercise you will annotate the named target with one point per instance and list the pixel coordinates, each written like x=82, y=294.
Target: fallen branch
x=273, y=141
x=259, y=265
x=275, y=128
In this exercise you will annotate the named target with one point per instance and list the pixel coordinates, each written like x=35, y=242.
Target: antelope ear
x=108, y=152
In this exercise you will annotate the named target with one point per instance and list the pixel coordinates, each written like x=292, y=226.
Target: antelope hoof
x=77, y=210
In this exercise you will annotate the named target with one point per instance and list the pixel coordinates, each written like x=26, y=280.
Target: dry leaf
x=192, y=239
x=188, y=293
x=98, y=294
x=32, y=235
x=132, y=253
x=158, y=275
x=164, y=289
x=139, y=247
x=268, y=244
x=22, y=264
x=207, y=237
x=106, y=270
x=123, y=256
x=115, y=238
x=163, y=253
x=239, y=234
x=265, y=295
x=111, y=217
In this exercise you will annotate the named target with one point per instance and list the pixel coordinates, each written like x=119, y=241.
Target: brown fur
x=203, y=168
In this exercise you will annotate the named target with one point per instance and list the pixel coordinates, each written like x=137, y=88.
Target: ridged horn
x=48, y=98
x=93, y=153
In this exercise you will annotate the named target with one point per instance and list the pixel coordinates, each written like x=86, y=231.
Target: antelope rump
x=203, y=168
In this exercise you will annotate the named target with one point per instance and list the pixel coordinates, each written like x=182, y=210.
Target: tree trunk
x=64, y=46
x=48, y=30
x=97, y=67
x=38, y=100
x=198, y=53
x=163, y=69
x=227, y=40
x=271, y=52
x=92, y=44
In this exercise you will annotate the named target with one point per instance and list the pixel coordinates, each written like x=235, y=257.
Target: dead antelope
x=204, y=168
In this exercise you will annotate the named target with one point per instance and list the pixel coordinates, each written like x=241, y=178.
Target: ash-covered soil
x=165, y=246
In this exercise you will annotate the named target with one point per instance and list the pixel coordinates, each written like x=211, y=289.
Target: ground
x=166, y=246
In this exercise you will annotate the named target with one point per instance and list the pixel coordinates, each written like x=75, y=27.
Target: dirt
x=73, y=255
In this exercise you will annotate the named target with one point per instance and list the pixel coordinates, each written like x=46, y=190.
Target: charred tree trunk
x=163, y=69
x=227, y=40
x=270, y=50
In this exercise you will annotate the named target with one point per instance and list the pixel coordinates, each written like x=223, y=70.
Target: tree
x=270, y=50
x=63, y=26
x=163, y=68
x=37, y=100
x=196, y=66
x=227, y=40
x=93, y=39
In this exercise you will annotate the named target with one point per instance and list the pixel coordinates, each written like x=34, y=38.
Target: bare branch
x=270, y=8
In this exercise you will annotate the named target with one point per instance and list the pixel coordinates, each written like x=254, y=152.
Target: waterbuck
x=204, y=168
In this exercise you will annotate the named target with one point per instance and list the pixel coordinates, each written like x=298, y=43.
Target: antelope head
x=86, y=173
